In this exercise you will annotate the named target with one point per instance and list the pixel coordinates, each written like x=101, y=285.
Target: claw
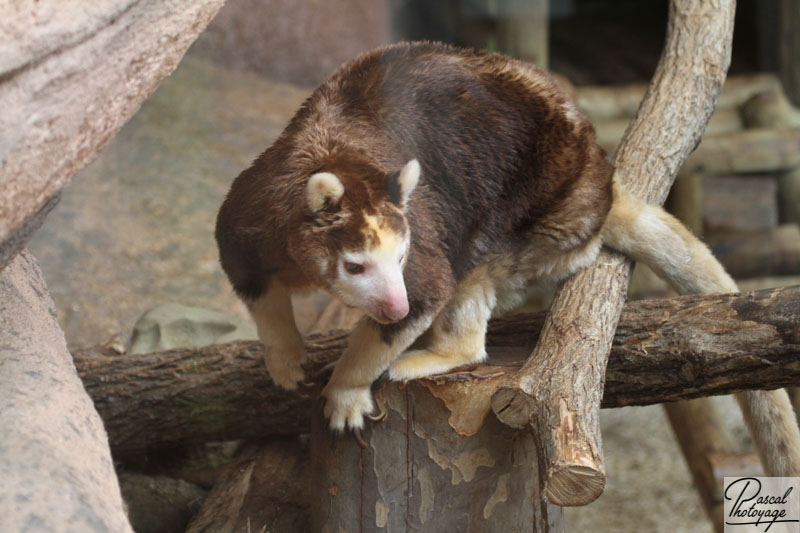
x=359, y=438
x=376, y=418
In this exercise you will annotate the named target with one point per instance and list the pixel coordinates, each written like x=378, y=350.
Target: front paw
x=347, y=406
x=283, y=368
x=418, y=364
x=422, y=363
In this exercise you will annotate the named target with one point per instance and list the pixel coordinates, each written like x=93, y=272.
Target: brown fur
x=504, y=163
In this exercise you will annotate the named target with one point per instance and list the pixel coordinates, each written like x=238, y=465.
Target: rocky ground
x=135, y=229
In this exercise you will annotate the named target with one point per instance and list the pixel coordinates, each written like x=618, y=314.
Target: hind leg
x=458, y=333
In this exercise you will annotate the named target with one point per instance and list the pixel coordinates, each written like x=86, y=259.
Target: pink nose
x=395, y=307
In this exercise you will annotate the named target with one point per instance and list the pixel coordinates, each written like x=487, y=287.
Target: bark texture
x=663, y=350
x=55, y=463
x=558, y=390
x=70, y=77
x=416, y=473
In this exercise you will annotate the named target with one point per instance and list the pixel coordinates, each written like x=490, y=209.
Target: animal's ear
x=324, y=189
x=400, y=184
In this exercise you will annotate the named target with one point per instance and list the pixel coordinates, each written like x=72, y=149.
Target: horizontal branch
x=664, y=350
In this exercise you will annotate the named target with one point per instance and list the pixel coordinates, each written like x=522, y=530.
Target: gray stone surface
x=159, y=504
x=55, y=464
x=173, y=325
x=297, y=42
x=70, y=76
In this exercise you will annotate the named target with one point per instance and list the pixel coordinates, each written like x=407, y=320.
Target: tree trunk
x=663, y=350
x=577, y=336
x=417, y=473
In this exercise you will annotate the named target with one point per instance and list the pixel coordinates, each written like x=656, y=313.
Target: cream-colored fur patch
x=367, y=356
x=408, y=180
x=458, y=335
x=388, y=240
x=283, y=345
x=323, y=187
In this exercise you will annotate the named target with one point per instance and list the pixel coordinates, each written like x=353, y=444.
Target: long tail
x=649, y=234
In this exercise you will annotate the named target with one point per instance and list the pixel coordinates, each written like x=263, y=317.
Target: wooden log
x=183, y=396
x=522, y=30
x=789, y=48
x=789, y=197
x=722, y=122
x=770, y=109
x=685, y=201
x=265, y=489
x=696, y=423
x=699, y=434
x=757, y=284
x=663, y=350
x=739, y=204
x=577, y=336
x=750, y=150
x=775, y=252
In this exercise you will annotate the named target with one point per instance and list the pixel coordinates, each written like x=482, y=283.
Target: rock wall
x=71, y=74
x=293, y=41
x=55, y=462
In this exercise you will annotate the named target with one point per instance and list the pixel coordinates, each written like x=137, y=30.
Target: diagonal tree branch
x=559, y=389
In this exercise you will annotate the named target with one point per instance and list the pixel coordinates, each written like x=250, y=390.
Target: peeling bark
x=417, y=474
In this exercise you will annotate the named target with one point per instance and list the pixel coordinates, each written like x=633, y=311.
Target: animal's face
x=355, y=245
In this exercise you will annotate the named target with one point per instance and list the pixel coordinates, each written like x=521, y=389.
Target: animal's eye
x=353, y=268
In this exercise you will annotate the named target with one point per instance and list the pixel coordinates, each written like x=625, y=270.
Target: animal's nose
x=395, y=307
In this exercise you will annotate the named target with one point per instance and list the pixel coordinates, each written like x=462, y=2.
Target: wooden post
x=701, y=436
x=522, y=30
x=420, y=473
x=789, y=49
x=685, y=201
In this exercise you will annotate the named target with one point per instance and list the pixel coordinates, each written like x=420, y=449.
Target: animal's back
x=501, y=148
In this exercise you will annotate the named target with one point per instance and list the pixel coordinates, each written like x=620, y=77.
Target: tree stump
x=426, y=469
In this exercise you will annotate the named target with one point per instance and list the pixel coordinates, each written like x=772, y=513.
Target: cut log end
x=575, y=485
x=512, y=406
